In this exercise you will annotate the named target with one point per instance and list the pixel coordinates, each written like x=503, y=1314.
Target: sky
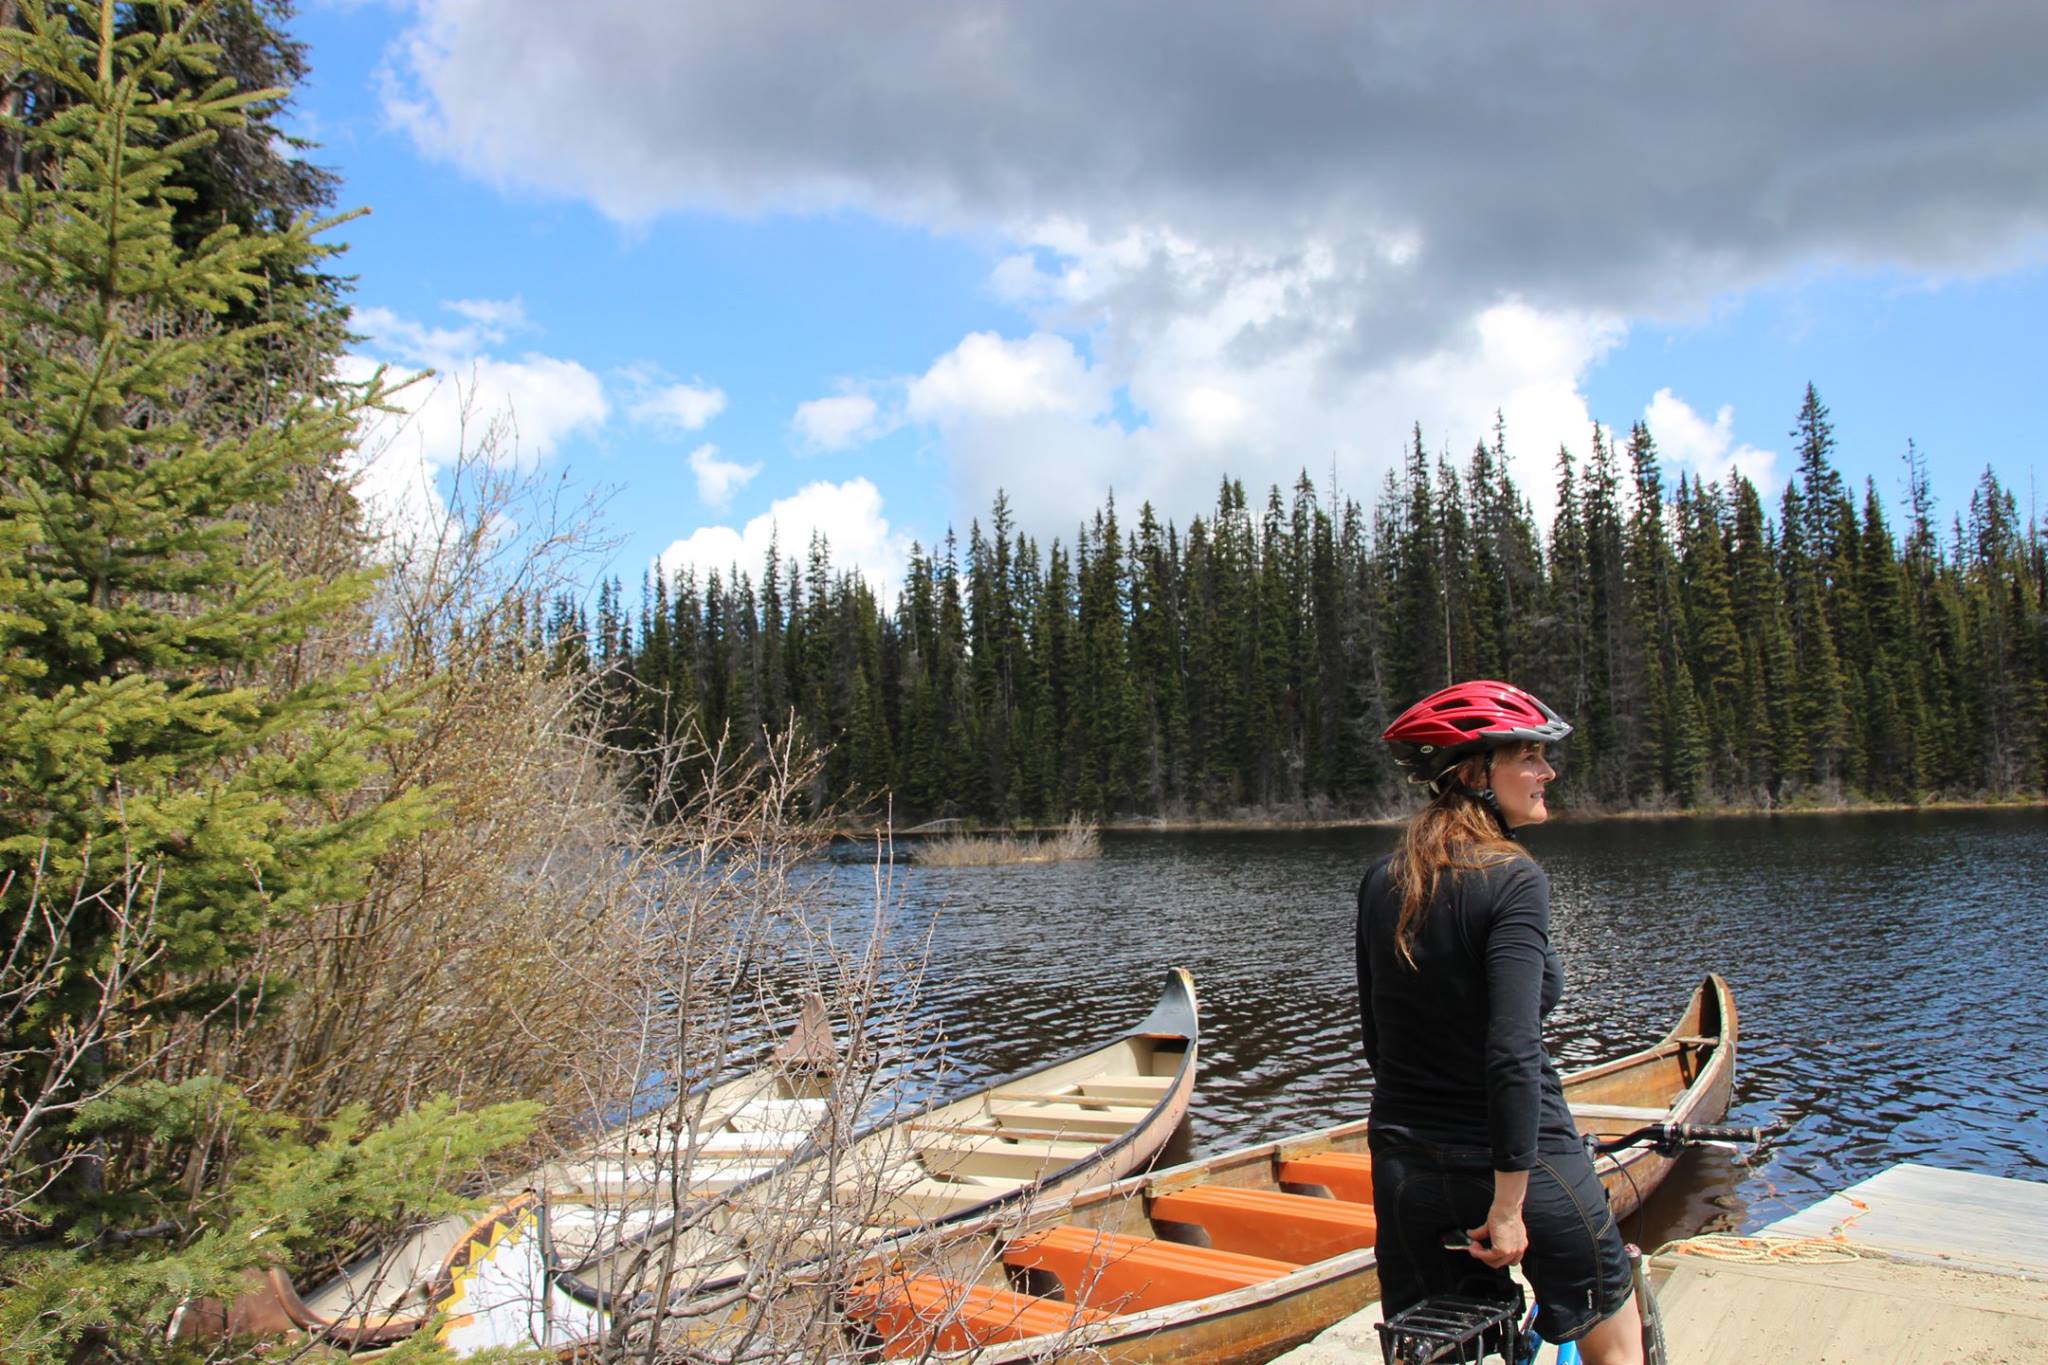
x=776, y=269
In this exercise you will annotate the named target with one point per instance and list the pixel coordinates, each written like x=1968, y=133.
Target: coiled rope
x=1723, y=1246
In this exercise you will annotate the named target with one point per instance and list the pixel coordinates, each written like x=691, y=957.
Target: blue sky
x=853, y=268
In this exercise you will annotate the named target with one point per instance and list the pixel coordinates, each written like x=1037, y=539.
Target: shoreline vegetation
x=346, y=868
x=1716, y=645
x=1195, y=824
x=327, y=905
x=1071, y=842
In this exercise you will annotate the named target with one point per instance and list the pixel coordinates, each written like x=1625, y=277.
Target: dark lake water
x=1891, y=971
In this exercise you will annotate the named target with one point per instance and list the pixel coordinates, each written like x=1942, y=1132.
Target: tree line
x=1711, y=648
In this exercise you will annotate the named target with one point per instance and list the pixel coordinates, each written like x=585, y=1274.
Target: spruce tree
x=1420, y=639
x=1714, y=646
x=135, y=743
x=1565, y=665
x=165, y=801
x=1156, y=663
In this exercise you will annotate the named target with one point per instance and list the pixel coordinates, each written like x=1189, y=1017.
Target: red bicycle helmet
x=1466, y=718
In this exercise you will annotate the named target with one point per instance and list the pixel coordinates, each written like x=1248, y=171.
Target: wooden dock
x=1914, y=1264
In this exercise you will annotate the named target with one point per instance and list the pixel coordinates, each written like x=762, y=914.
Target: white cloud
x=1207, y=400
x=407, y=340
x=498, y=318
x=1274, y=244
x=987, y=377
x=847, y=419
x=507, y=412
x=1459, y=136
x=679, y=407
x=718, y=480
x=1685, y=439
x=504, y=411
x=848, y=514
x=393, y=482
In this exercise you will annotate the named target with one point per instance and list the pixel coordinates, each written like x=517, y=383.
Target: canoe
x=1233, y=1259
x=386, y=1296
x=641, y=1227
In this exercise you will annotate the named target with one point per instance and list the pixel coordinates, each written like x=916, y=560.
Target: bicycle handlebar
x=1671, y=1138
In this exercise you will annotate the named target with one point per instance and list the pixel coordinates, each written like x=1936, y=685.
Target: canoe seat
x=1146, y=1090
x=1074, y=1118
x=920, y=1201
x=1286, y=1227
x=717, y=1146
x=780, y=1115
x=916, y=1315
x=957, y=1155
x=1131, y=1274
x=1626, y=1113
x=1346, y=1175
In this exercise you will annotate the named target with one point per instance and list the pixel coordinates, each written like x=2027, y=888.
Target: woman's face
x=1519, y=776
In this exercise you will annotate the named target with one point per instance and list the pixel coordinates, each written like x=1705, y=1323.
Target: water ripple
x=1888, y=969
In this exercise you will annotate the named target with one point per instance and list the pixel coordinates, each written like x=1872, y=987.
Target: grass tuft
x=1071, y=841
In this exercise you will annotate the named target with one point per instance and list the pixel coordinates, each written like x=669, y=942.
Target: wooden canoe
x=386, y=1296
x=1233, y=1259
x=550, y=1269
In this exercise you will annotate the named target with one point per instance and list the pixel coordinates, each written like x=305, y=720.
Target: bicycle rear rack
x=1452, y=1330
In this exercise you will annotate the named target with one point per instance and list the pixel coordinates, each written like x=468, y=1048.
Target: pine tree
x=1565, y=666
x=1713, y=644
x=1156, y=662
x=1653, y=576
x=1614, y=703
x=164, y=803
x=1102, y=678
x=1420, y=638
x=1769, y=717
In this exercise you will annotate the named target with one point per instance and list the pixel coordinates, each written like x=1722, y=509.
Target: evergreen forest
x=1715, y=644
x=302, y=830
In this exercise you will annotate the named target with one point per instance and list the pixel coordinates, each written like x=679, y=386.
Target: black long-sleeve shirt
x=1456, y=1042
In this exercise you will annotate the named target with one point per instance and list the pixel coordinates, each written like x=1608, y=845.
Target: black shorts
x=1576, y=1261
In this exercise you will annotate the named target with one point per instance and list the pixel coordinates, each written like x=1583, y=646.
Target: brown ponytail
x=1453, y=833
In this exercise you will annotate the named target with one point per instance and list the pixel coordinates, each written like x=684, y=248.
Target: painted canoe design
x=1233, y=1259
x=388, y=1295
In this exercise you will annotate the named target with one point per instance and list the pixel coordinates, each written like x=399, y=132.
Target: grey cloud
x=1591, y=156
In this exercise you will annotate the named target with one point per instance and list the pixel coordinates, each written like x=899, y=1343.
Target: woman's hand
x=1501, y=1240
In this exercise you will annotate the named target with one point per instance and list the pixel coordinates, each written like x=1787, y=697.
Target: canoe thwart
x=1346, y=1175
x=1017, y=1131
x=915, y=1315
x=1284, y=1227
x=1627, y=1113
x=1131, y=1274
x=1071, y=1097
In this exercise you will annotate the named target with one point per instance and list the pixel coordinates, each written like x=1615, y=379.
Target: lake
x=1890, y=969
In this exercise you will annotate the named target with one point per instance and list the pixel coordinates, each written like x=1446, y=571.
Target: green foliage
x=175, y=782
x=1706, y=654
x=139, y=739
x=299, y=1190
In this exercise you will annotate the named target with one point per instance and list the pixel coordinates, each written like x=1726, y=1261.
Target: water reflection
x=1889, y=970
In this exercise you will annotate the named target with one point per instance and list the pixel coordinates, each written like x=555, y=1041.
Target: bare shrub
x=480, y=956
x=108, y=1041
x=562, y=935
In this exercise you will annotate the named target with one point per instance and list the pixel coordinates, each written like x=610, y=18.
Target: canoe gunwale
x=1174, y=1017
x=1173, y=1331
x=804, y=1048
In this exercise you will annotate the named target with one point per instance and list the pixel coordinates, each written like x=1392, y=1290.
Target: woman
x=1470, y=1130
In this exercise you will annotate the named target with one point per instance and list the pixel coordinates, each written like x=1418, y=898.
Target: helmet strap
x=1484, y=796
